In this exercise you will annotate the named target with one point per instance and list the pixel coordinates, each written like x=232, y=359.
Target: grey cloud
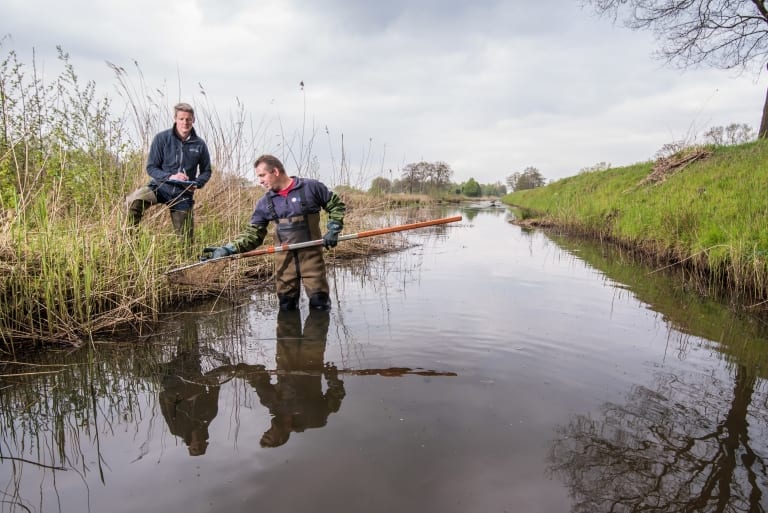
x=491, y=85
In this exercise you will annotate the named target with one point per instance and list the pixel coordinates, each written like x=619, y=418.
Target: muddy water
x=484, y=369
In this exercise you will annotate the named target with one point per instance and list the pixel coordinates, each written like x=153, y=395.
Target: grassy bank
x=709, y=215
x=69, y=270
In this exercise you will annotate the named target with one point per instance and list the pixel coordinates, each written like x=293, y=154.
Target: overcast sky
x=488, y=86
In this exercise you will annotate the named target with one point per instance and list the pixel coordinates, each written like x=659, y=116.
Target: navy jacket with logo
x=168, y=155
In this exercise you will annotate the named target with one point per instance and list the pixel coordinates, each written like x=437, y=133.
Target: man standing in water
x=294, y=205
x=179, y=164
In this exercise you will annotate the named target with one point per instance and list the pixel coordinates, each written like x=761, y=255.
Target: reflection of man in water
x=297, y=401
x=189, y=401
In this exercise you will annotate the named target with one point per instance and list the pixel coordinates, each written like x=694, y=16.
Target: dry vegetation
x=69, y=270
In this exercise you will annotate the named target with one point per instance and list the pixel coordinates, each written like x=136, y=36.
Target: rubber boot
x=287, y=303
x=135, y=212
x=137, y=202
x=183, y=225
x=320, y=301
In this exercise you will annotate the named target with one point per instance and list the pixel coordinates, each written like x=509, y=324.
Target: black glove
x=331, y=372
x=331, y=237
x=217, y=252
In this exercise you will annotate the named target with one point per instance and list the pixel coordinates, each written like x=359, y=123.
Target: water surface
x=485, y=368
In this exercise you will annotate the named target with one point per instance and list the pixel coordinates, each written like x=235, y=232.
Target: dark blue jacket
x=308, y=196
x=168, y=155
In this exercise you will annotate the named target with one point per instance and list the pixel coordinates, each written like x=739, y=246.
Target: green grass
x=69, y=268
x=710, y=215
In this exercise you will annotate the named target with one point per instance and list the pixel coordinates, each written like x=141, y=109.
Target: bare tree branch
x=725, y=34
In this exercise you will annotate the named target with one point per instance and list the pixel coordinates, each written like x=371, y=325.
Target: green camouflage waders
x=305, y=265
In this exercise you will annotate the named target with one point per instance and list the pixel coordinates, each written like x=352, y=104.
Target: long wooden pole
x=319, y=242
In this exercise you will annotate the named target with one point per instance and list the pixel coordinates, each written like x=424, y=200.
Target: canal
x=485, y=368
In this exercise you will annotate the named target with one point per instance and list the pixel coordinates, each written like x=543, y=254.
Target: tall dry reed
x=69, y=269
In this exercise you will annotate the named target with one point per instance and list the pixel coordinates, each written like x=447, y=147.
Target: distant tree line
x=529, y=178
x=735, y=133
x=433, y=178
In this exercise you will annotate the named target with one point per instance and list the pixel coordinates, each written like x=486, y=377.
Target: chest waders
x=304, y=265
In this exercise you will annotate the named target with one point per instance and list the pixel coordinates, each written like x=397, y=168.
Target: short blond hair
x=183, y=107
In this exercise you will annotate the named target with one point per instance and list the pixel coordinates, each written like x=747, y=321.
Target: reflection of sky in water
x=534, y=335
